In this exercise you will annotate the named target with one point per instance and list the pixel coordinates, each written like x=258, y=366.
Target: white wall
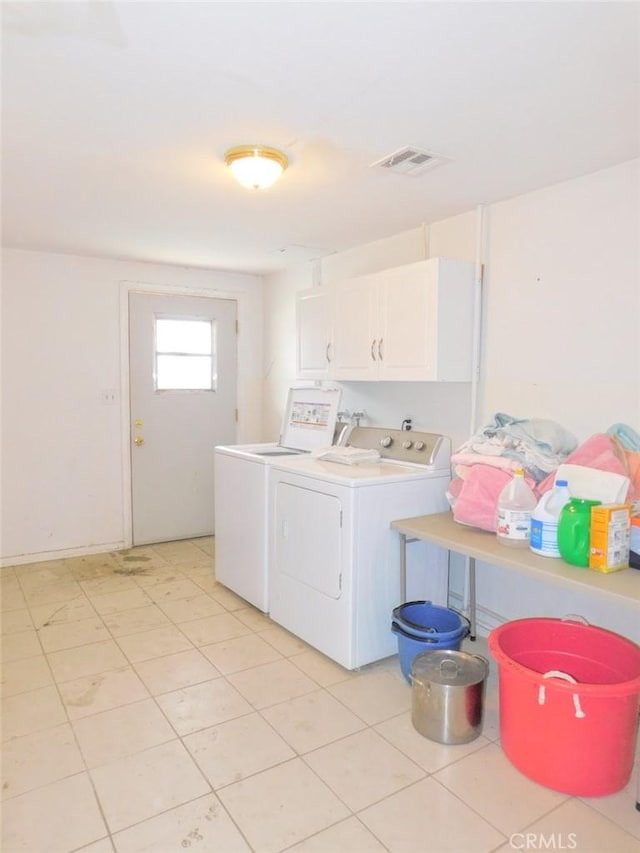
x=563, y=303
x=280, y=345
x=560, y=333
x=62, y=448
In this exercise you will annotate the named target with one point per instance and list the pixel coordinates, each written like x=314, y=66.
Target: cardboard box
x=609, y=539
x=634, y=542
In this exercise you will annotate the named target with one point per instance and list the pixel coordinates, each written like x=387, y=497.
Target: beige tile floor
x=147, y=708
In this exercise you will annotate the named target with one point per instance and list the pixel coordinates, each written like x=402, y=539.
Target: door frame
x=127, y=287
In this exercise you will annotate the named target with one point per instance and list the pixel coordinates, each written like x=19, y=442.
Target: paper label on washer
x=310, y=415
x=310, y=418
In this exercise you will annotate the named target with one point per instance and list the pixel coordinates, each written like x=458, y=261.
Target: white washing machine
x=241, y=490
x=335, y=562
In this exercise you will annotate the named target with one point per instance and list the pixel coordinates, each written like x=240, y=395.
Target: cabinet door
x=355, y=329
x=313, y=333
x=426, y=321
x=408, y=322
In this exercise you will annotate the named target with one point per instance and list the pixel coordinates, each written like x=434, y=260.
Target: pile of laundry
x=606, y=466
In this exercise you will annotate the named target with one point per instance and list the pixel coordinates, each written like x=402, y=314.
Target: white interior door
x=182, y=374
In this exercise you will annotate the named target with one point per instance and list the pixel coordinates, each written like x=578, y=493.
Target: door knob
x=138, y=440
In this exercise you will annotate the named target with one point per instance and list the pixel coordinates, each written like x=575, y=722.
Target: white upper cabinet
x=313, y=339
x=409, y=323
x=425, y=321
x=355, y=329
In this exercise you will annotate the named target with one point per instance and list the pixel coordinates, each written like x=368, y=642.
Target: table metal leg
x=472, y=598
x=472, y=583
x=403, y=568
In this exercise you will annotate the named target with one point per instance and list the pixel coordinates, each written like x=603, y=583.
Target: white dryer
x=334, y=560
x=241, y=490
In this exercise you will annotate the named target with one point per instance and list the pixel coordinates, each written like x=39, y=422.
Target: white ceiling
x=116, y=117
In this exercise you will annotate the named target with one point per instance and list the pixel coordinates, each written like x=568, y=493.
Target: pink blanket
x=630, y=460
x=474, y=499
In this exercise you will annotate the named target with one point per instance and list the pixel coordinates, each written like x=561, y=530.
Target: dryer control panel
x=406, y=446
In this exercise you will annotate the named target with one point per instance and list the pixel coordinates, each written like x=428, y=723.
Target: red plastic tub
x=569, y=703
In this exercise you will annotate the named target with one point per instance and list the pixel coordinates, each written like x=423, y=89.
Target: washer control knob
x=407, y=444
x=387, y=441
x=419, y=445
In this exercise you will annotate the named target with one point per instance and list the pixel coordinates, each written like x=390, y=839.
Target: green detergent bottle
x=574, y=527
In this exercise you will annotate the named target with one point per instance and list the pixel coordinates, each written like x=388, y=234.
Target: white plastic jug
x=515, y=505
x=544, y=520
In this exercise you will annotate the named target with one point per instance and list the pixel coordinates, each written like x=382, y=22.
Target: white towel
x=594, y=485
x=346, y=455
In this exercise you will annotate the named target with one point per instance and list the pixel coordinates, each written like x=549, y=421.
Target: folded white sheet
x=594, y=485
x=346, y=455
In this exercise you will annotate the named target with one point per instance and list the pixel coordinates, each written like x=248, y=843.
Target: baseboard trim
x=43, y=556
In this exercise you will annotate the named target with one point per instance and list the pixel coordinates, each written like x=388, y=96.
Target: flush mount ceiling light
x=256, y=166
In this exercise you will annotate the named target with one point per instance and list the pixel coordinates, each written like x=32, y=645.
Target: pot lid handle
x=453, y=667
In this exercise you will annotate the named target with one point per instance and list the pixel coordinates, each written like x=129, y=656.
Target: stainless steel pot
x=447, y=695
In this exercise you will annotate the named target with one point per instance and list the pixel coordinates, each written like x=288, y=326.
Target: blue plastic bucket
x=409, y=645
x=424, y=619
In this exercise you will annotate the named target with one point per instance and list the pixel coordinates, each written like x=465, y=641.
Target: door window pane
x=184, y=357
x=182, y=372
x=184, y=336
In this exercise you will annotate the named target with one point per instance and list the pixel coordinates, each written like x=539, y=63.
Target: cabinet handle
x=328, y=352
x=373, y=349
x=380, y=355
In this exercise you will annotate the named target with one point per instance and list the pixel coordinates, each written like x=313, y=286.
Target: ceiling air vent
x=410, y=161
